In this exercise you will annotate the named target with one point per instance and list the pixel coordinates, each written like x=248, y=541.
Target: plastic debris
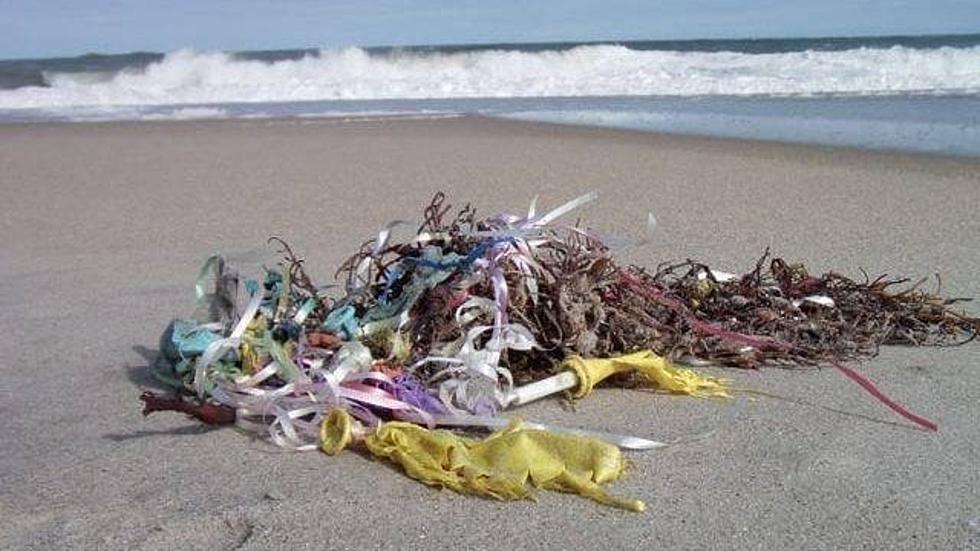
x=498, y=466
x=647, y=365
x=466, y=317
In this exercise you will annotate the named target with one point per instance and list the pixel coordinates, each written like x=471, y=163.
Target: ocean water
x=902, y=93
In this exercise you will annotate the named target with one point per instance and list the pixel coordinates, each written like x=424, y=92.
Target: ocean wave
x=189, y=77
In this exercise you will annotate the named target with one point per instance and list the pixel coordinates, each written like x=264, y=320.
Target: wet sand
x=105, y=225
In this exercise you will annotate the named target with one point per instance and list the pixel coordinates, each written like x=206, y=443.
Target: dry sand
x=105, y=225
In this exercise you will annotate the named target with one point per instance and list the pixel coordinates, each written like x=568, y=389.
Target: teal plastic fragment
x=185, y=339
x=251, y=287
x=180, y=342
x=342, y=321
x=273, y=281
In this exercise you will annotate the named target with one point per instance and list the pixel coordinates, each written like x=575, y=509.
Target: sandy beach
x=106, y=225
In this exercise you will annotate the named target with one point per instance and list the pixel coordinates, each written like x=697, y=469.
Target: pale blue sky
x=30, y=28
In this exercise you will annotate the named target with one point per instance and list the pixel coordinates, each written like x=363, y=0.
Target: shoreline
x=609, y=131
x=106, y=225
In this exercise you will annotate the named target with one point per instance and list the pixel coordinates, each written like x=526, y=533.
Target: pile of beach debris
x=469, y=316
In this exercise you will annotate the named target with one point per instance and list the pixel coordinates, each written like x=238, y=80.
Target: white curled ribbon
x=562, y=210
x=475, y=374
x=621, y=440
x=473, y=309
x=220, y=347
x=290, y=431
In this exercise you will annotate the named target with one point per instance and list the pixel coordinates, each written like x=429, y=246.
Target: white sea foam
x=188, y=77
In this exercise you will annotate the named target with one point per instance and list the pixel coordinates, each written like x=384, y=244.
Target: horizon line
x=484, y=44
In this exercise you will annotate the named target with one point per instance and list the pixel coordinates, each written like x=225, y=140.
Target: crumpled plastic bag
x=498, y=466
x=655, y=369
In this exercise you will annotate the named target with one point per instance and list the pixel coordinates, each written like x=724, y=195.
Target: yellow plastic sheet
x=498, y=466
x=650, y=366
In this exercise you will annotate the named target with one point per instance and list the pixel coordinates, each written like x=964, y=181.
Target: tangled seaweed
x=570, y=293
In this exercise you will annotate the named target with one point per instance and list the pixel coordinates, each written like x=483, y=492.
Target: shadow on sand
x=142, y=377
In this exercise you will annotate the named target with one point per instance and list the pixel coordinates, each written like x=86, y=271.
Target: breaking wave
x=189, y=77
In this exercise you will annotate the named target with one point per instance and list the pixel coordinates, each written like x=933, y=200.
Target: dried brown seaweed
x=584, y=303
